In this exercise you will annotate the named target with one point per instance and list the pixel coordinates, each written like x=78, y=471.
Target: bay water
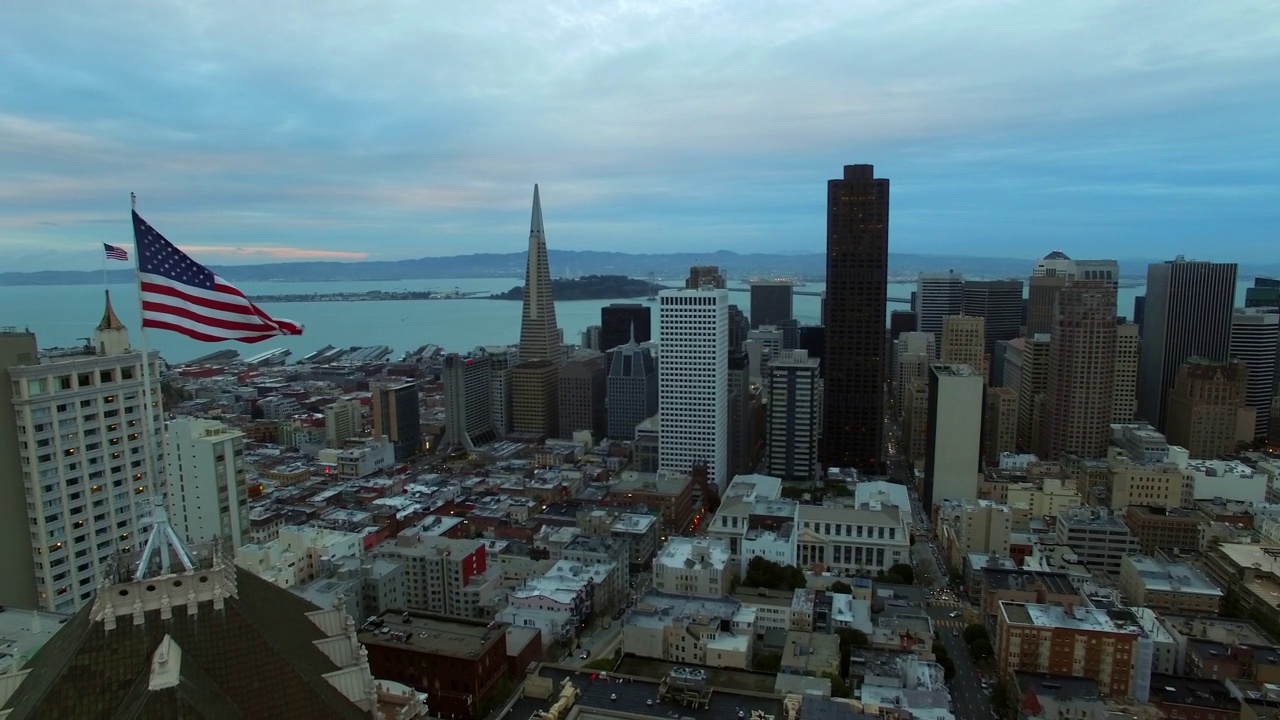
x=61, y=315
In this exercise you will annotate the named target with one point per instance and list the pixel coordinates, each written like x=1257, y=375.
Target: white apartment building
x=343, y=420
x=693, y=381
x=693, y=566
x=446, y=576
x=80, y=420
x=794, y=418
x=953, y=443
x=208, y=498
x=299, y=554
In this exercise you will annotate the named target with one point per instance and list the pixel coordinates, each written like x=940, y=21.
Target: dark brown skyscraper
x=857, y=285
x=1082, y=363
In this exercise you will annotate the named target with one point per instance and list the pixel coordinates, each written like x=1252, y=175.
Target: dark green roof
x=252, y=659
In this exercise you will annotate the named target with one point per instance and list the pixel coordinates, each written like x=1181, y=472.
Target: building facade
x=396, y=416
x=1124, y=381
x=1082, y=361
x=81, y=427
x=621, y=323
x=468, y=417
x=1000, y=304
x=938, y=295
x=582, y=395
x=954, y=442
x=771, y=302
x=208, y=497
x=1187, y=313
x=631, y=389
x=535, y=381
x=693, y=383
x=1255, y=341
x=999, y=424
x=854, y=316
x=794, y=417
x=1206, y=411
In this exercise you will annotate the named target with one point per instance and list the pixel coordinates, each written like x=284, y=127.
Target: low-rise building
x=461, y=666
x=1193, y=699
x=1249, y=572
x=446, y=576
x=693, y=566
x=1099, y=539
x=689, y=630
x=1156, y=526
x=640, y=533
x=1175, y=587
x=1108, y=646
x=299, y=554
x=973, y=526
x=1054, y=697
x=668, y=493
x=812, y=654
x=852, y=540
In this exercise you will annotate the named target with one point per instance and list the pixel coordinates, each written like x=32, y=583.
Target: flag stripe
x=203, y=337
x=183, y=296
x=115, y=253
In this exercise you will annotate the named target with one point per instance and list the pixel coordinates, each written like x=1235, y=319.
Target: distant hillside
x=577, y=263
x=589, y=287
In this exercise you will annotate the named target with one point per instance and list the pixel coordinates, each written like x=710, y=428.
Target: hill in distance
x=576, y=263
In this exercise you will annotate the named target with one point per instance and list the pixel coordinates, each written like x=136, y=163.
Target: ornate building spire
x=111, y=337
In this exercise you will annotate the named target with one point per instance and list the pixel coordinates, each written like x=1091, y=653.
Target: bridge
x=818, y=293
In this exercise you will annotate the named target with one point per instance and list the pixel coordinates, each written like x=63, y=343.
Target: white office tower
x=770, y=339
x=79, y=416
x=693, y=381
x=795, y=399
x=1057, y=264
x=937, y=296
x=343, y=420
x=1255, y=339
x=501, y=360
x=954, y=441
x=208, y=496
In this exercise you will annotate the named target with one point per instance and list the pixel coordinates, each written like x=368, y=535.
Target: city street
x=971, y=700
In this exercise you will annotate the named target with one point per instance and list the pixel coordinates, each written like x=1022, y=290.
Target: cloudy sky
x=257, y=131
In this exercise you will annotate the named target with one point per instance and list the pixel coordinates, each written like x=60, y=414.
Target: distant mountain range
x=576, y=263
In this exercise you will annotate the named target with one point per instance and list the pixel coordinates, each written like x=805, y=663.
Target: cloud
x=275, y=253
x=414, y=129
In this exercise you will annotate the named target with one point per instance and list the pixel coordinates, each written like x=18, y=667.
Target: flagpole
x=157, y=497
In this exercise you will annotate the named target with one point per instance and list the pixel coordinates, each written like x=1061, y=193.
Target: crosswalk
x=951, y=624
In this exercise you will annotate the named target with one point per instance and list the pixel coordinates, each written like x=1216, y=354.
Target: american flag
x=115, y=253
x=181, y=295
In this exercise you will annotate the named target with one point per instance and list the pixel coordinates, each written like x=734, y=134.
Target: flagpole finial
x=133, y=201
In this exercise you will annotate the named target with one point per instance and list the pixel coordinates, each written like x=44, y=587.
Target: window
x=84, y=380
x=105, y=376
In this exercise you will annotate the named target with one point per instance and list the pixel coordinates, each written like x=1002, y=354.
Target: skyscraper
x=771, y=302
x=79, y=465
x=1187, y=313
x=1124, y=387
x=1265, y=293
x=502, y=361
x=857, y=289
x=342, y=420
x=693, y=367
x=704, y=276
x=937, y=296
x=792, y=426
x=1206, y=411
x=397, y=417
x=964, y=342
x=208, y=496
x=631, y=393
x=618, y=321
x=999, y=303
x=1255, y=340
x=1052, y=274
x=582, y=395
x=954, y=436
x=1082, y=364
x=535, y=381
x=468, y=417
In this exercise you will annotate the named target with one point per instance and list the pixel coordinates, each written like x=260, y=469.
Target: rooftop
x=431, y=634
x=1172, y=577
x=1061, y=687
x=682, y=552
x=1075, y=618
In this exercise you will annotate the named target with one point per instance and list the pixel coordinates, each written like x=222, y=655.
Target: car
x=955, y=633
x=955, y=614
x=584, y=654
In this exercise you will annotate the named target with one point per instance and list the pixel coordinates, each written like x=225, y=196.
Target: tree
x=767, y=662
x=840, y=587
x=1001, y=699
x=901, y=574
x=762, y=573
x=981, y=649
x=839, y=686
x=974, y=633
